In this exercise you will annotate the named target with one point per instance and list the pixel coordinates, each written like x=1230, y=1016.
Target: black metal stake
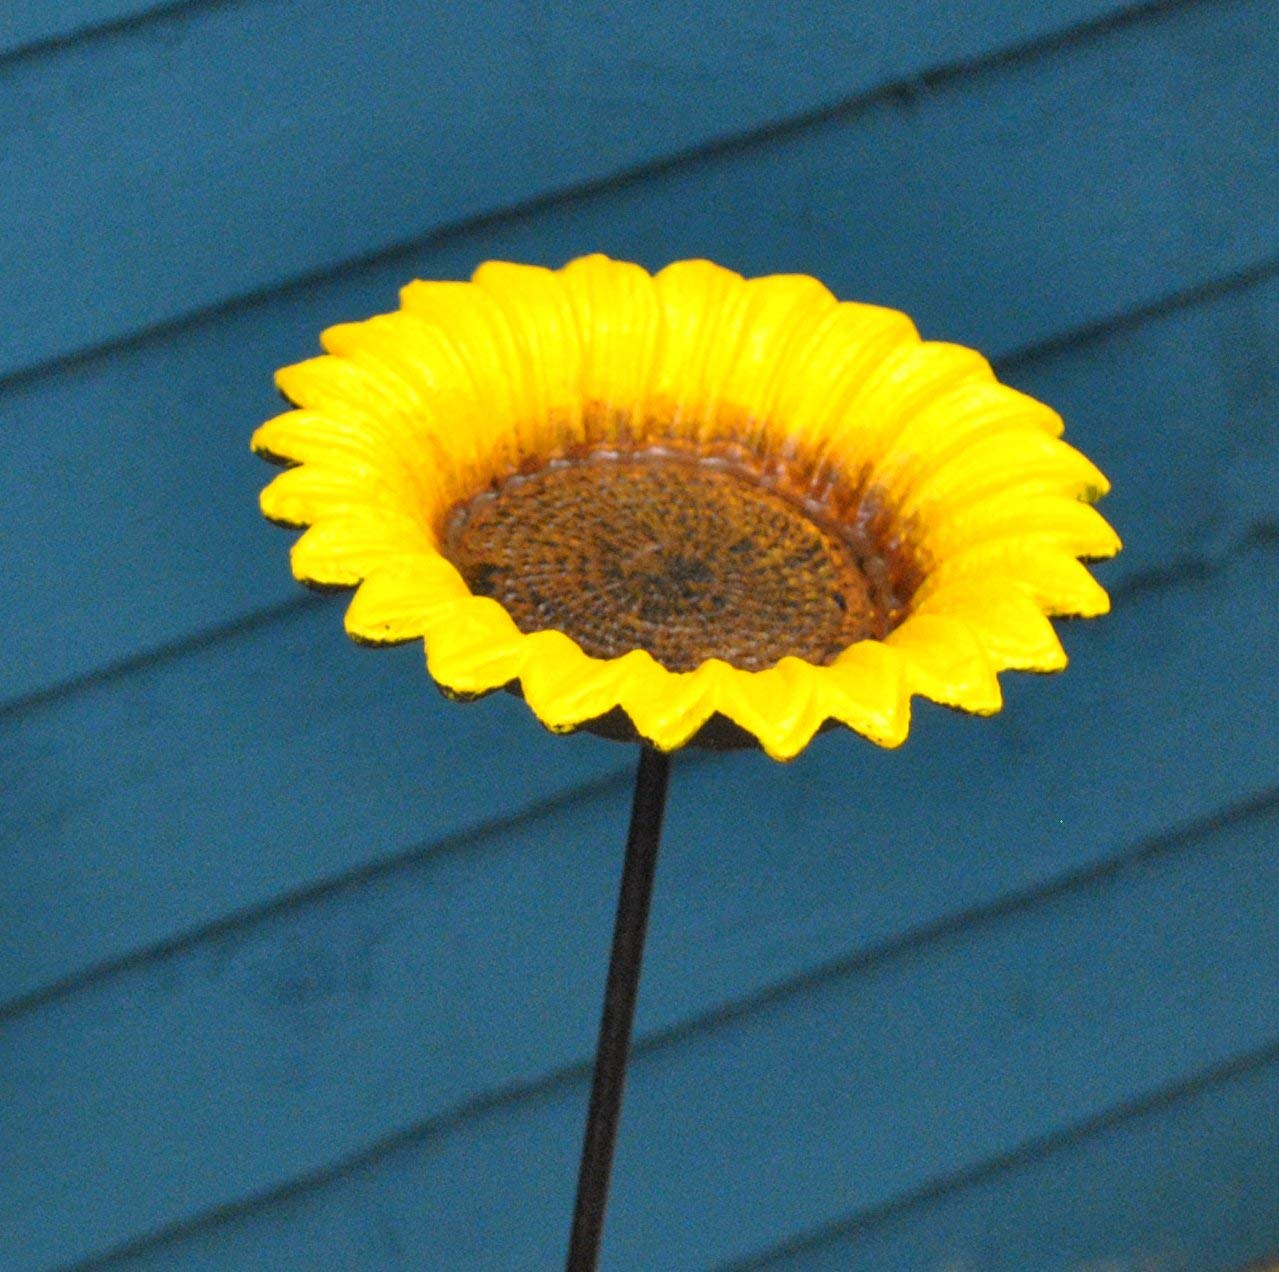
x=620, y=992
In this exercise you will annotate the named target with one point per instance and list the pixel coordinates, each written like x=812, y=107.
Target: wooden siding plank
x=371, y=1009
x=834, y=1098
x=225, y=149
x=236, y=777
x=27, y=23
x=1184, y=411
x=977, y=206
x=204, y=802
x=1187, y=1186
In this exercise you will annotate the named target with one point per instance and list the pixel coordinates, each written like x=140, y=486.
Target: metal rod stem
x=620, y=993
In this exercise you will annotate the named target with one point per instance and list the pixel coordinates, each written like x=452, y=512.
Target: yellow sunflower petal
x=898, y=389
x=449, y=417
x=398, y=603
x=302, y=495
x=336, y=386
x=540, y=312
x=1076, y=527
x=830, y=364
x=382, y=348
x=616, y=307
x=304, y=436
x=692, y=296
x=1058, y=583
x=299, y=496
x=1020, y=462
x=565, y=687
x=778, y=706
x=340, y=551
x=745, y=366
x=1010, y=626
x=946, y=662
x=667, y=707
x=347, y=427
x=866, y=689
x=478, y=330
x=473, y=647
x=417, y=360
x=949, y=426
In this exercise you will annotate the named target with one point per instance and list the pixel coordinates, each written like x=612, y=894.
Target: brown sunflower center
x=688, y=557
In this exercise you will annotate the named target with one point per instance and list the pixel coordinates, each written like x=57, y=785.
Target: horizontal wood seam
x=900, y=90
x=1026, y=1154
x=461, y=841
x=166, y=10
x=1192, y=837
x=159, y=11
x=1262, y=537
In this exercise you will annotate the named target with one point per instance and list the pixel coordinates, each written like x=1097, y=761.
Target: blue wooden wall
x=300, y=965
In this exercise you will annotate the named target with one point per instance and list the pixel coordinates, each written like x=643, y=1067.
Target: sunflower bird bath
x=681, y=509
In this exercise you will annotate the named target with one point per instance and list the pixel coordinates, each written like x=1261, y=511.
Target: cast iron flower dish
x=685, y=509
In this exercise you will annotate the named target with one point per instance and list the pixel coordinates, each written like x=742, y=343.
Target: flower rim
x=407, y=414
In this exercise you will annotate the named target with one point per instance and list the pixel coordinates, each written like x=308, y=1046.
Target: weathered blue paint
x=230, y=147
x=977, y=205
x=345, y=747
x=837, y=1097
x=1186, y=1185
x=28, y=26
x=347, y=1019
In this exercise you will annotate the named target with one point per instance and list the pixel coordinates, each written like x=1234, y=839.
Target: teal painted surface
x=343, y=1021
x=302, y=964
x=223, y=773
x=230, y=147
x=957, y=1049
x=29, y=26
x=983, y=206
x=1182, y=1184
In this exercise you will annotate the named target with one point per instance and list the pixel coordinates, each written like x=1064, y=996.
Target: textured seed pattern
x=689, y=559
